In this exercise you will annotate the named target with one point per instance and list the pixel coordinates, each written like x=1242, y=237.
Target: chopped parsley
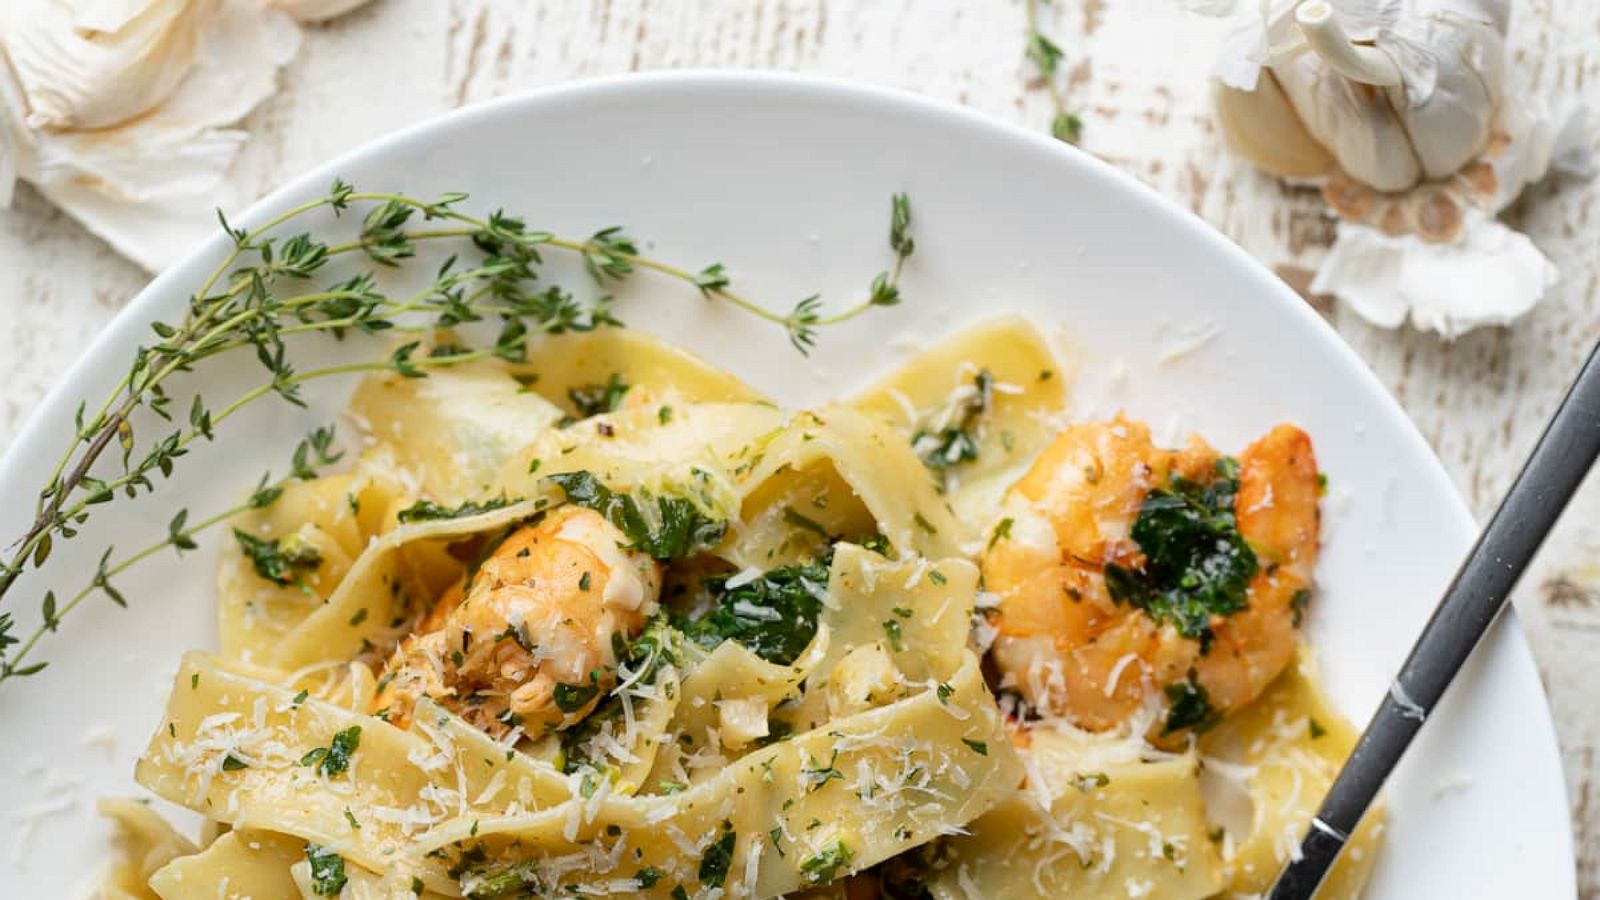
x=815, y=775
x=979, y=747
x=775, y=615
x=1188, y=706
x=572, y=697
x=891, y=630
x=647, y=877
x=594, y=399
x=484, y=883
x=878, y=544
x=1088, y=781
x=1001, y=531
x=327, y=870
x=429, y=511
x=643, y=658
x=231, y=763
x=334, y=760
x=280, y=560
x=956, y=442
x=718, y=857
x=682, y=530
x=1316, y=728
x=823, y=866
x=1197, y=565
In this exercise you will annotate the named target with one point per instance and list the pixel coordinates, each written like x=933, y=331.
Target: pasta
x=609, y=622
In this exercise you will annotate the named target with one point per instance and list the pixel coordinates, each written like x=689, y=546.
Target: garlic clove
x=1488, y=275
x=1448, y=104
x=316, y=10
x=73, y=76
x=1354, y=121
x=1261, y=126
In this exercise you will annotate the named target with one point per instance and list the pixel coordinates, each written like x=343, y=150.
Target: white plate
x=786, y=181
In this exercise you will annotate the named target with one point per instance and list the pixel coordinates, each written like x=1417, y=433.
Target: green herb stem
x=14, y=666
x=245, y=313
x=1046, y=56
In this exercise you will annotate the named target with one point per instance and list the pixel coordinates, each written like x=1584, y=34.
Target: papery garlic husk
x=92, y=65
x=149, y=175
x=317, y=10
x=1491, y=276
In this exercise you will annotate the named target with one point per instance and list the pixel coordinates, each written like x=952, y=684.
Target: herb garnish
x=595, y=399
x=823, y=866
x=271, y=288
x=639, y=663
x=1196, y=563
x=775, y=615
x=280, y=560
x=1188, y=706
x=682, y=530
x=572, y=697
x=953, y=438
x=1088, y=781
x=718, y=857
x=429, y=511
x=310, y=454
x=327, y=870
x=1046, y=55
x=334, y=759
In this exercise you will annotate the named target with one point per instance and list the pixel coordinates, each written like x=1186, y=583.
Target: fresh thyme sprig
x=257, y=300
x=310, y=456
x=1046, y=56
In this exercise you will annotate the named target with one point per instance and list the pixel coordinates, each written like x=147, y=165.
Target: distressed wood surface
x=1136, y=73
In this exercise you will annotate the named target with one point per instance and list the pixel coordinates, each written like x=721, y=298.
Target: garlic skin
x=116, y=110
x=1402, y=112
x=1492, y=276
x=317, y=10
x=74, y=77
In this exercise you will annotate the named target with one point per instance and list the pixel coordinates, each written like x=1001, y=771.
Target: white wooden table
x=1135, y=70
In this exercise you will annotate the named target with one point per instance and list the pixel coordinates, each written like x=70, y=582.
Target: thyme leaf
x=271, y=289
x=1046, y=55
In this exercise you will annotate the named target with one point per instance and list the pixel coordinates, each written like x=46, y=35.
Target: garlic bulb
x=1399, y=110
x=1395, y=94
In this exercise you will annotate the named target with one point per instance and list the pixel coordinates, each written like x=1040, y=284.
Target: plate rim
x=128, y=324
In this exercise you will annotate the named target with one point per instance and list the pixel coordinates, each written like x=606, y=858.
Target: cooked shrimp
x=1073, y=649
x=530, y=639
